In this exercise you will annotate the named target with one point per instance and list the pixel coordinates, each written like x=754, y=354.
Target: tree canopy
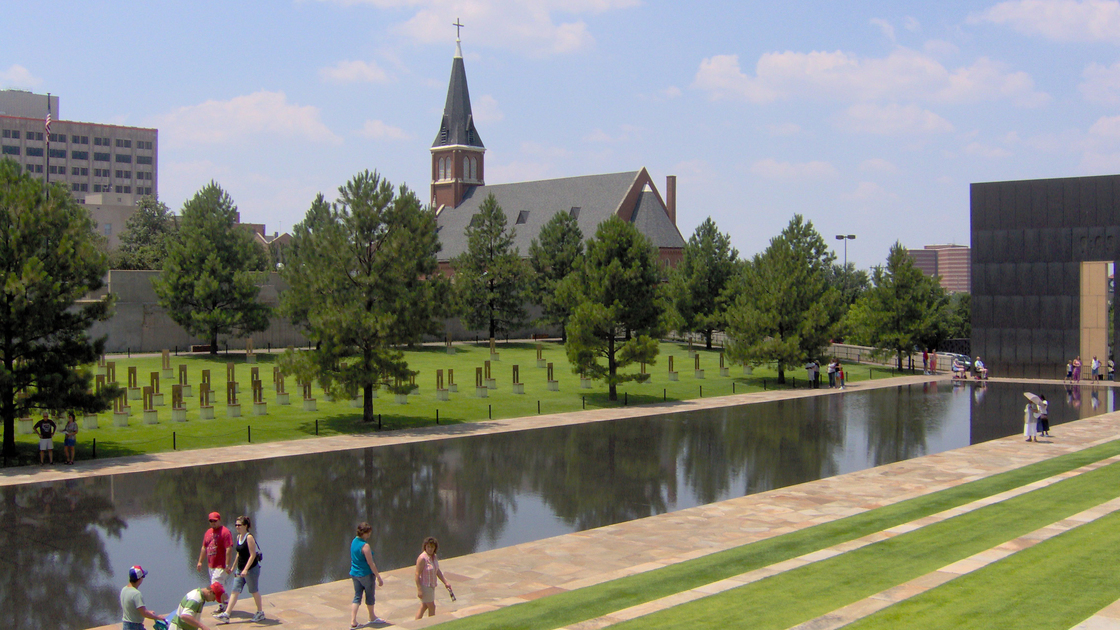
x=784, y=310
x=491, y=279
x=363, y=279
x=552, y=259
x=144, y=239
x=903, y=310
x=211, y=273
x=50, y=264
x=699, y=283
x=620, y=305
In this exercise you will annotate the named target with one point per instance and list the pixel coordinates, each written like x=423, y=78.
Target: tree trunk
x=781, y=374
x=214, y=345
x=8, y=408
x=612, y=368
x=367, y=403
x=708, y=339
x=900, y=361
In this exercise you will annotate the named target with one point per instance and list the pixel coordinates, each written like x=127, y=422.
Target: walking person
x=45, y=429
x=70, y=439
x=245, y=568
x=933, y=362
x=1095, y=366
x=188, y=615
x=839, y=374
x=1077, y=369
x=133, y=611
x=1043, y=415
x=215, y=542
x=363, y=571
x=832, y=373
x=1030, y=424
x=925, y=362
x=1069, y=371
x=427, y=572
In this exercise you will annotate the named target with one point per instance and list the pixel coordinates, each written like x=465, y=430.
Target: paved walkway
x=493, y=579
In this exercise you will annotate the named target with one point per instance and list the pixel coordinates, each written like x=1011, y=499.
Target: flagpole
x=47, y=126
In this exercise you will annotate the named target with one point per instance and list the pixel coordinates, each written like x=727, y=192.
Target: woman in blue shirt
x=362, y=573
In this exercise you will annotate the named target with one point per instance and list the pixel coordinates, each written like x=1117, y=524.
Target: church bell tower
x=457, y=153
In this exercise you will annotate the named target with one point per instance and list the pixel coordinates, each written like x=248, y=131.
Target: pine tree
x=699, y=283
x=145, y=236
x=552, y=259
x=49, y=263
x=620, y=305
x=211, y=273
x=363, y=279
x=490, y=277
x=784, y=311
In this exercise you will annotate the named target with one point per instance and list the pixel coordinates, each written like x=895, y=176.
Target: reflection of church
x=459, y=188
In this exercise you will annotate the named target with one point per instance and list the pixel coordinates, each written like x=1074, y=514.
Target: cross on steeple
x=457, y=26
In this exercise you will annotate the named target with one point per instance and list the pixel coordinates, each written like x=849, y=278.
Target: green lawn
x=339, y=417
x=849, y=577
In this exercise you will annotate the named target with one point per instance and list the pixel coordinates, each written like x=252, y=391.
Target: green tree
x=144, y=240
x=620, y=305
x=211, y=278
x=490, y=277
x=784, y=310
x=699, y=283
x=50, y=264
x=363, y=279
x=903, y=309
x=960, y=304
x=552, y=259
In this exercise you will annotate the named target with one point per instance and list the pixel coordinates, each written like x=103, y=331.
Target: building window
x=33, y=135
x=58, y=170
x=85, y=139
x=143, y=159
x=58, y=153
x=85, y=188
x=100, y=172
x=8, y=133
x=100, y=157
x=10, y=150
x=466, y=167
x=474, y=169
x=99, y=188
x=75, y=187
x=124, y=174
x=574, y=212
x=34, y=152
x=522, y=217
x=15, y=134
x=30, y=168
x=85, y=172
x=79, y=155
x=108, y=227
x=124, y=144
x=58, y=137
x=74, y=170
x=124, y=159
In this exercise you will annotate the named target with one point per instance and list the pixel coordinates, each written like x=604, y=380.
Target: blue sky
x=868, y=118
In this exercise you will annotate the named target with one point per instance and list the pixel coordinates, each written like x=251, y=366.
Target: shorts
x=219, y=575
x=132, y=625
x=427, y=594
x=69, y=441
x=46, y=444
x=363, y=584
x=250, y=580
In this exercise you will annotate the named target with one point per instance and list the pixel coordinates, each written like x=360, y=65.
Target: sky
x=867, y=118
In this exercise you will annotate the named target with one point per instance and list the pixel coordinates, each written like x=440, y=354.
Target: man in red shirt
x=214, y=545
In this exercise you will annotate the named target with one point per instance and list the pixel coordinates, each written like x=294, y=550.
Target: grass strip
x=594, y=601
x=802, y=594
x=1055, y=584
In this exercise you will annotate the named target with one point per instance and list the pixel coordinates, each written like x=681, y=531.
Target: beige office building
x=106, y=167
x=952, y=262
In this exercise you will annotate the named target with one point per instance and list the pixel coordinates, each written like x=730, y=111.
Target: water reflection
x=67, y=545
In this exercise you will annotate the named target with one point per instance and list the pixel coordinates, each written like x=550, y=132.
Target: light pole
x=845, y=238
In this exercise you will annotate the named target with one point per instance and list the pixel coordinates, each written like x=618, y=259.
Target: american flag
x=47, y=124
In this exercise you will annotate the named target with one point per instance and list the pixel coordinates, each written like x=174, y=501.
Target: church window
x=466, y=167
x=474, y=169
x=522, y=217
x=442, y=168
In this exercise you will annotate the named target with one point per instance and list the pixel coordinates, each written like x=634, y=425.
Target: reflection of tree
x=455, y=490
x=605, y=472
x=899, y=422
x=53, y=555
x=788, y=442
x=183, y=497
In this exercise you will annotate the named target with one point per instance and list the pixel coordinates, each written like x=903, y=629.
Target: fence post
x=94, y=449
x=174, y=447
x=437, y=415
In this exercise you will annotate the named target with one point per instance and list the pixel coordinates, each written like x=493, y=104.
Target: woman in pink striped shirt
x=427, y=571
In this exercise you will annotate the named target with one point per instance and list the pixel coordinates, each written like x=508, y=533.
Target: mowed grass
x=287, y=422
x=848, y=570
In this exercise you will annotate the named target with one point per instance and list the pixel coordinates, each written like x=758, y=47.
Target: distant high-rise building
x=106, y=167
x=952, y=262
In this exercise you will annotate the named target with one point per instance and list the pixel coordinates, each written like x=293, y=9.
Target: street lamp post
x=845, y=238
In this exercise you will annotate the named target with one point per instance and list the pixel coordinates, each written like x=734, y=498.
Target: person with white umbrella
x=1030, y=422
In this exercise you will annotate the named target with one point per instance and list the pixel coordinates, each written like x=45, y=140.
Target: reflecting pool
x=67, y=545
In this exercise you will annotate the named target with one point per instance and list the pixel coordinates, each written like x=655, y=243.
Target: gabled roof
x=629, y=195
x=457, y=126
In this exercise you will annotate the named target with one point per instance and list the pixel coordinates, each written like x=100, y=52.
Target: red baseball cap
x=218, y=590
x=214, y=516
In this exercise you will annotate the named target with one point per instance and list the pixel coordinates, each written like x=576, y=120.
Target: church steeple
x=457, y=152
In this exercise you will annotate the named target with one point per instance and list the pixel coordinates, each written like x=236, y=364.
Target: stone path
x=493, y=579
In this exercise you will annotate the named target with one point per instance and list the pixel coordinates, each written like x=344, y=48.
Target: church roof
x=457, y=126
x=528, y=206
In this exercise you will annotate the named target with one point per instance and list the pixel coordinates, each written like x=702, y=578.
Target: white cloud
x=378, y=130
x=354, y=72
x=877, y=165
x=1106, y=128
x=485, y=110
x=773, y=169
x=533, y=28
x=539, y=150
x=1101, y=84
x=891, y=119
x=1060, y=20
x=626, y=133
x=671, y=92
x=986, y=151
x=217, y=122
x=940, y=48
x=912, y=24
x=904, y=73
x=885, y=27
x=870, y=191
x=16, y=76
x=784, y=130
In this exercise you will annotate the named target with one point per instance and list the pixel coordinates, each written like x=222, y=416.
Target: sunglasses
x=213, y=521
